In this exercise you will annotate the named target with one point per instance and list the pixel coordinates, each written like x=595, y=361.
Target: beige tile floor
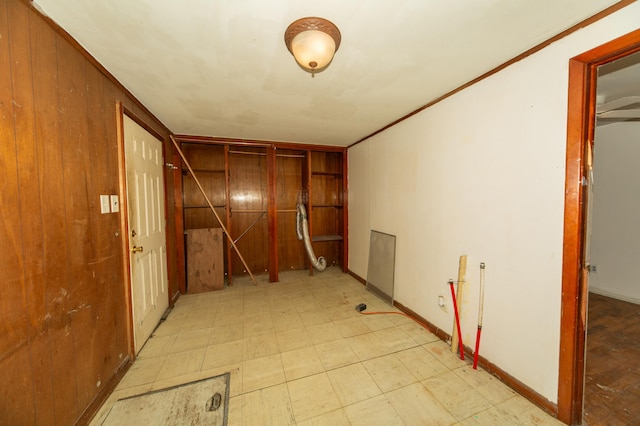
x=299, y=353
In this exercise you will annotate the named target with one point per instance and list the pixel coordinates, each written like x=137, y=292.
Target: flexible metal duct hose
x=302, y=229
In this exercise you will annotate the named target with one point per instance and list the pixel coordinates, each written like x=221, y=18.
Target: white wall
x=482, y=173
x=615, y=237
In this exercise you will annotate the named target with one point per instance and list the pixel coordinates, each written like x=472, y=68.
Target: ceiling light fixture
x=312, y=42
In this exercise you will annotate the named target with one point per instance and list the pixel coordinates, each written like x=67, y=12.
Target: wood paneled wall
x=63, y=314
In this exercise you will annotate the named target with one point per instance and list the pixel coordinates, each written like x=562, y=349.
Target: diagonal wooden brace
x=195, y=178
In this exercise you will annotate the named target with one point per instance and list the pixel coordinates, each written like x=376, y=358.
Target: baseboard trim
x=357, y=277
x=93, y=408
x=515, y=384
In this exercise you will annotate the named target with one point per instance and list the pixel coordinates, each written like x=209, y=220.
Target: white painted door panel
x=147, y=238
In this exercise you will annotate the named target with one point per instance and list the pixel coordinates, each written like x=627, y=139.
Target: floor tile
x=389, y=372
x=416, y=406
x=258, y=326
x=316, y=317
x=142, y=371
x=352, y=384
x=260, y=346
x=323, y=333
x=421, y=363
x=419, y=334
x=395, y=339
x=442, y=352
x=192, y=339
x=182, y=363
x=262, y=372
x=485, y=384
x=455, y=395
x=167, y=328
x=287, y=322
x=367, y=346
x=334, y=418
x=301, y=363
x=223, y=354
x=336, y=354
x=378, y=322
x=293, y=339
x=351, y=327
x=226, y=333
x=235, y=379
x=157, y=346
x=374, y=411
x=312, y=396
x=268, y=406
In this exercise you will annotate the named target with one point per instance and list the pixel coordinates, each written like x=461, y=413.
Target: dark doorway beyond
x=612, y=382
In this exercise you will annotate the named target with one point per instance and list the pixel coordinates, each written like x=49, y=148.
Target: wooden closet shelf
x=186, y=172
x=206, y=206
x=336, y=174
x=291, y=155
x=248, y=153
x=247, y=211
x=322, y=238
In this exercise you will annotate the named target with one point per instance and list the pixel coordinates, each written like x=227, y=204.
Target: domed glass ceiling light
x=312, y=42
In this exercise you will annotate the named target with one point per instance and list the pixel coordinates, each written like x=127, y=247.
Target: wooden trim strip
x=93, y=408
x=272, y=214
x=124, y=227
x=580, y=125
x=258, y=143
x=345, y=211
x=598, y=16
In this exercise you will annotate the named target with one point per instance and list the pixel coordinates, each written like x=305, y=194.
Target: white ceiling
x=220, y=67
x=618, y=90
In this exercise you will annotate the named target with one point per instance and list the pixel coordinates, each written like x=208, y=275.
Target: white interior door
x=147, y=236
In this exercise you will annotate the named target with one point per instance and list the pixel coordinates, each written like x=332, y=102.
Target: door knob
x=137, y=249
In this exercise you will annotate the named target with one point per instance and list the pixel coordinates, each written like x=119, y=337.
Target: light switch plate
x=115, y=204
x=104, y=204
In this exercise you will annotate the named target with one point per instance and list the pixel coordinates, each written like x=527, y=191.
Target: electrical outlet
x=115, y=204
x=441, y=301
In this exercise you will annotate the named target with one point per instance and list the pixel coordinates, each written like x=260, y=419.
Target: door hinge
x=585, y=181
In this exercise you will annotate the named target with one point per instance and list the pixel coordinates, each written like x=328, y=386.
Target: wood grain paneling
x=289, y=171
x=248, y=204
x=63, y=316
x=291, y=253
x=15, y=365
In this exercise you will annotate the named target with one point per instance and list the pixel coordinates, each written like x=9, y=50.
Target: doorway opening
x=575, y=269
x=612, y=394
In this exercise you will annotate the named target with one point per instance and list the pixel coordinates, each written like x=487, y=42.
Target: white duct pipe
x=302, y=229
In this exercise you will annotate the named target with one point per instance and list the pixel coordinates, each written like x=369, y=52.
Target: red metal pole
x=455, y=309
x=480, y=309
x=475, y=355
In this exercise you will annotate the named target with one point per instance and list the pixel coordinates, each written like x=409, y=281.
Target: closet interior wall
x=255, y=188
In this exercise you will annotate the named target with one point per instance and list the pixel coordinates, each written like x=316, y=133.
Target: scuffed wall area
x=63, y=313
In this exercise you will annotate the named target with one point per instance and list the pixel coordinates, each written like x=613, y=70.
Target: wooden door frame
x=121, y=111
x=580, y=130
